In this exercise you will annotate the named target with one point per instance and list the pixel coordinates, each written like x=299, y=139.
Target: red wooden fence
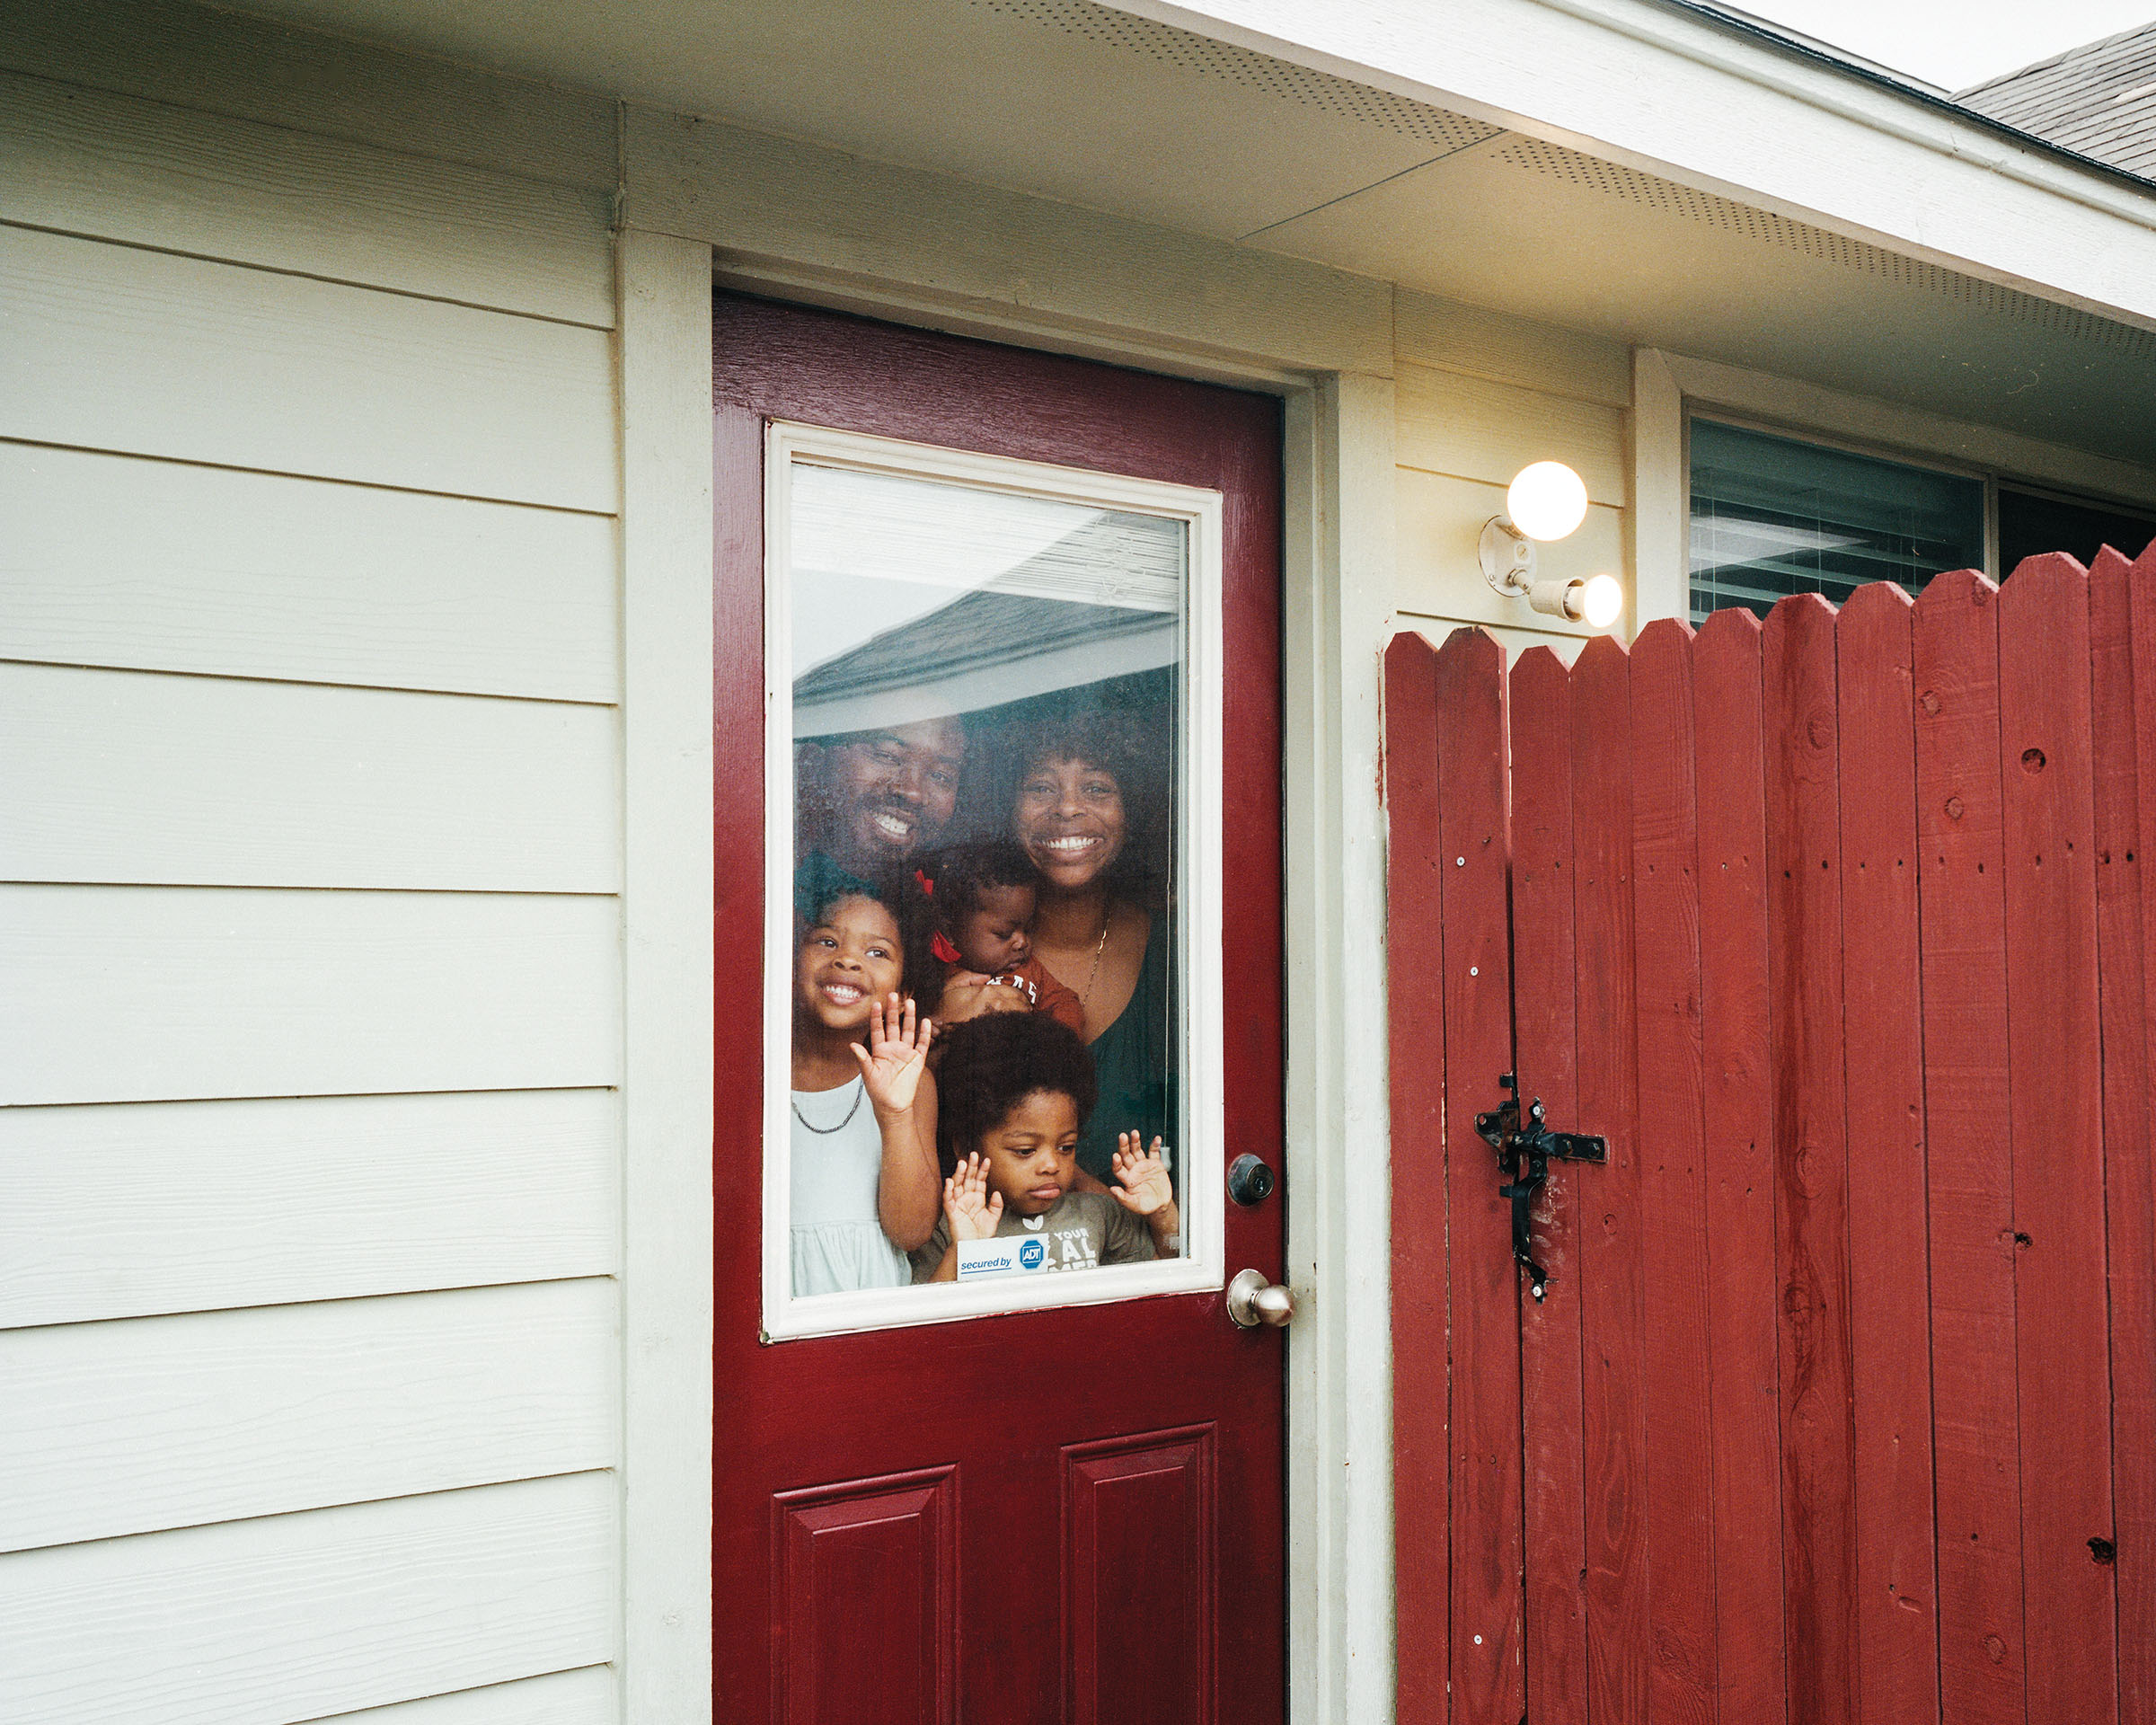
x=1842, y=1404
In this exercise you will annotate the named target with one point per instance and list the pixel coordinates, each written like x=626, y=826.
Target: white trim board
x=808, y=223
x=665, y=1479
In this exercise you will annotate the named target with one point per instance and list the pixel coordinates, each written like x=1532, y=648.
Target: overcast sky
x=1955, y=43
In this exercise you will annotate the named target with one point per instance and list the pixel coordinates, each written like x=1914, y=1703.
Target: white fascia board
x=1669, y=94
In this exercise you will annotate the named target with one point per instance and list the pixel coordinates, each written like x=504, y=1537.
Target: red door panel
x=864, y=1594
x=1026, y=1518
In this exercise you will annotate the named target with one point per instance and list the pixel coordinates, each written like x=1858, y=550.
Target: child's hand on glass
x=972, y=1209
x=1143, y=1186
x=897, y=1056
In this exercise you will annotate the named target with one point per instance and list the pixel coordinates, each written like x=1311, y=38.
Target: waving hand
x=897, y=1056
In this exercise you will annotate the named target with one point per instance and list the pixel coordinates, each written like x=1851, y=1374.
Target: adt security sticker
x=1014, y=1256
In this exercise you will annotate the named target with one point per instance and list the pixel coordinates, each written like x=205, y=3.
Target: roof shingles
x=2097, y=100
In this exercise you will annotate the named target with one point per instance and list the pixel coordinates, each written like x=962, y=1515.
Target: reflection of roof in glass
x=1104, y=599
x=972, y=633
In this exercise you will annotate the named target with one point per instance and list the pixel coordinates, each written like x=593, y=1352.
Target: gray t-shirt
x=1084, y=1231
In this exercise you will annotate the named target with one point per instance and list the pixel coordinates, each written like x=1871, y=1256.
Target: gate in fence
x=1839, y=1403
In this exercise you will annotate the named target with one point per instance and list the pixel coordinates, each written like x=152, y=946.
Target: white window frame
x=1199, y=893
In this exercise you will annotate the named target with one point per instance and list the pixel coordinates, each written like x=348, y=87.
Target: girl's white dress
x=838, y=1242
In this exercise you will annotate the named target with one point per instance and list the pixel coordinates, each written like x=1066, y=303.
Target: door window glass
x=993, y=898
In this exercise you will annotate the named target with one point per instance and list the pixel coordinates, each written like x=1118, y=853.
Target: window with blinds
x=1772, y=516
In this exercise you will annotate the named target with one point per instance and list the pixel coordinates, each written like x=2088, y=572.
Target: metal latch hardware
x=1523, y=1158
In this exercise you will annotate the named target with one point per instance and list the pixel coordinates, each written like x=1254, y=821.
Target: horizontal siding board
x=160, y=565
x=1457, y=337
x=590, y=1696
x=140, y=776
x=113, y=167
x=153, y=1423
x=132, y=1210
x=294, y=1617
x=1439, y=523
x=113, y=347
x=1475, y=429
x=134, y=993
x=255, y=69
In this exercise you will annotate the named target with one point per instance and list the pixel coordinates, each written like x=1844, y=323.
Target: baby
x=982, y=897
x=1015, y=1089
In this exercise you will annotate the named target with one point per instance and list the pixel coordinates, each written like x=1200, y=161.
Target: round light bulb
x=1546, y=501
x=1604, y=601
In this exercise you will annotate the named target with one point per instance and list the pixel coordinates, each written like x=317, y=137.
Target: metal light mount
x=1546, y=501
x=1508, y=566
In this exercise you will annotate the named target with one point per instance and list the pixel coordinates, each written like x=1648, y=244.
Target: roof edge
x=1804, y=47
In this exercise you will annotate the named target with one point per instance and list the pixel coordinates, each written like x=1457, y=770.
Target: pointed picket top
x=1740, y=619
x=1873, y=595
x=1536, y=672
x=1408, y=648
x=1678, y=631
x=1600, y=648
x=1807, y=607
x=2110, y=563
x=2144, y=565
x=2052, y=565
x=1471, y=648
x=1956, y=590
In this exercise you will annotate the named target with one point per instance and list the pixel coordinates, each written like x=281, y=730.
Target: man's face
x=887, y=793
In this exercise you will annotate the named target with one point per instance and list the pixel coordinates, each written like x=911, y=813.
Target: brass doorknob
x=1254, y=1301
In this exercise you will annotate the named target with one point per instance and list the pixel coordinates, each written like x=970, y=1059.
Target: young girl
x=1017, y=1087
x=863, y=1162
x=982, y=897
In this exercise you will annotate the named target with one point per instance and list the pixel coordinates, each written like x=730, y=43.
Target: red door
x=1841, y=1403
x=1041, y=1515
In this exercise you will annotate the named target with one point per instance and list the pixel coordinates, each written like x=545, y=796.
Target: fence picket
x=1804, y=925
x=1897, y=1595
x=1743, y=1282
x=1474, y=860
x=2133, y=1264
x=1546, y=1031
x=2129, y=1177
x=1961, y=886
x=1679, y=1508
x=1612, y=1274
x=2054, y=1032
x=1422, y=1414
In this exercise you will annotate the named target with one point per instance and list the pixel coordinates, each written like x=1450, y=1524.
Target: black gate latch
x=1523, y=1158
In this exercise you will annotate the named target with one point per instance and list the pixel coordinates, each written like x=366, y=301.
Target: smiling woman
x=991, y=696
x=1087, y=811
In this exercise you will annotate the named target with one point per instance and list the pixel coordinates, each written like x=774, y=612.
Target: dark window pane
x=2031, y=526
x=1772, y=516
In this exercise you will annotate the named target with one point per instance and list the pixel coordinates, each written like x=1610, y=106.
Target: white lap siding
x=310, y=939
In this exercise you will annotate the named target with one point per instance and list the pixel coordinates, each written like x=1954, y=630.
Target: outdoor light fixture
x=1545, y=500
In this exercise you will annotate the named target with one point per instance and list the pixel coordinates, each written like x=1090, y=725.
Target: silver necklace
x=826, y=1131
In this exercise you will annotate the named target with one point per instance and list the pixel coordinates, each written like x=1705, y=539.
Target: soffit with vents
x=1087, y=105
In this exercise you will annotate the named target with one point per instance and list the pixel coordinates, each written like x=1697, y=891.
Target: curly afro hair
x=957, y=876
x=993, y=1063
